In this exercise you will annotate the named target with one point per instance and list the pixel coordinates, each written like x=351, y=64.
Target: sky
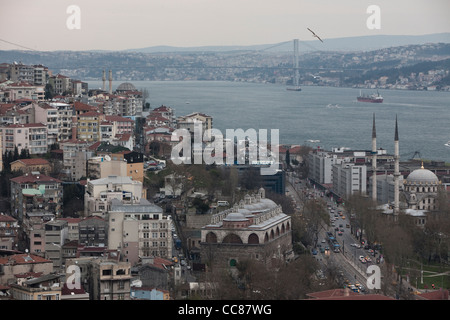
x=47, y=25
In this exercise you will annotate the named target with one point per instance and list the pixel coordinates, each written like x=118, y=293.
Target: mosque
x=418, y=191
x=256, y=228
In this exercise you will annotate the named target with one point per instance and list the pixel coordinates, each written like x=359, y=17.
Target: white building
x=100, y=192
x=139, y=230
x=320, y=166
x=349, y=178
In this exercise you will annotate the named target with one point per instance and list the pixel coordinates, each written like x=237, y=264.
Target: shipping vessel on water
x=374, y=98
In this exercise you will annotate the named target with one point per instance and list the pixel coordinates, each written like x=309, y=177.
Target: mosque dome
x=235, y=216
x=423, y=176
x=126, y=86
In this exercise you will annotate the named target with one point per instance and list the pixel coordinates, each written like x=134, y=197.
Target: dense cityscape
x=409, y=67
x=93, y=207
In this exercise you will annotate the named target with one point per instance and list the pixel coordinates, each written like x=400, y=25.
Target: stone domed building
x=255, y=228
x=126, y=86
x=420, y=189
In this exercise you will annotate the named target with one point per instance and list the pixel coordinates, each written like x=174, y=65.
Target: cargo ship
x=374, y=98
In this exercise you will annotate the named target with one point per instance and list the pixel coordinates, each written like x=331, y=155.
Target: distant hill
x=362, y=43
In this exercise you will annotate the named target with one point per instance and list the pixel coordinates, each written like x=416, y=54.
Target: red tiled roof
x=342, y=294
x=70, y=220
x=92, y=113
x=26, y=125
x=33, y=162
x=23, y=258
x=83, y=106
x=65, y=291
x=28, y=274
x=118, y=119
x=6, y=218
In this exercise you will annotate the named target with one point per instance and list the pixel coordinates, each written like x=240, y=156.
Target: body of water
x=331, y=115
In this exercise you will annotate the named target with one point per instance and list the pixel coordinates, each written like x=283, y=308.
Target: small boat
x=333, y=106
x=447, y=144
x=374, y=98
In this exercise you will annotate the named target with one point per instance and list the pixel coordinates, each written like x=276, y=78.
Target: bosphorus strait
x=331, y=115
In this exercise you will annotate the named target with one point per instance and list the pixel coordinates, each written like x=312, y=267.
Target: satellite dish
x=107, y=158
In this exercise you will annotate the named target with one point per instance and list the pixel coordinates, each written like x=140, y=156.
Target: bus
x=336, y=247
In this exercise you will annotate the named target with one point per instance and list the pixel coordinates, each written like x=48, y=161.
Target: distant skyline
x=47, y=25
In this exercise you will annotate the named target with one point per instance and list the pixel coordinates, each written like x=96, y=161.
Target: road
x=347, y=260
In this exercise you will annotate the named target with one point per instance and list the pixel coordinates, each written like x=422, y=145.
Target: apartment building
x=33, y=227
x=56, y=234
x=60, y=84
x=102, y=167
x=320, y=166
x=16, y=264
x=12, y=113
x=9, y=232
x=24, y=90
x=104, y=278
x=31, y=165
x=93, y=232
x=192, y=120
x=45, y=287
x=88, y=126
x=100, y=192
x=19, y=72
x=31, y=136
x=48, y=115
x=139, y=230
x=64, y=122
x=75, y=155
x=349, y=178
x=35, y=192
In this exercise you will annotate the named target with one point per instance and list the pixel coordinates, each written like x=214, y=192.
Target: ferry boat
x=374, y=98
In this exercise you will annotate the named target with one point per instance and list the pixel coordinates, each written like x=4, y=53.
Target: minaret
x=104, y=80
x=396, y=171
x=374, y=161
x=110, y=82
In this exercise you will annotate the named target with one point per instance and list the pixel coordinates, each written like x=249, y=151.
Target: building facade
x=255, y=228
x=139, y=230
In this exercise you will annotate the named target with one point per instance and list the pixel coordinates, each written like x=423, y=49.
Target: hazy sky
x=127, y=24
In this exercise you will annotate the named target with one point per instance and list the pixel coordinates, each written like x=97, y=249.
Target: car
x=340, y=233
x=323, y=241
x=343, y=217
x=341, y=225
x=362, y=259
x=322, y=250
x=314, y=251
